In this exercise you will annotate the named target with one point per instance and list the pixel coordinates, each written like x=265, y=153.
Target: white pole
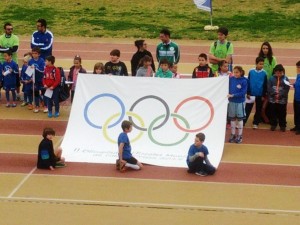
x=33, y=82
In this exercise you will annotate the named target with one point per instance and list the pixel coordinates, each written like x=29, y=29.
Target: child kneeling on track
x=236, y=107
x=126, y=160
x=48, y=158
x=197, y=160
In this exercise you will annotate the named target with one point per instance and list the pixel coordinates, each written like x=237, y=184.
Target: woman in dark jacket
x=141, y=52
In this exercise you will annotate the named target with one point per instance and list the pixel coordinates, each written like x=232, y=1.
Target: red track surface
x=189, y=54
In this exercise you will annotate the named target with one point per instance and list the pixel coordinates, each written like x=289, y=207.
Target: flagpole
x=33, y=82
x=211, y=27
x=211, y=23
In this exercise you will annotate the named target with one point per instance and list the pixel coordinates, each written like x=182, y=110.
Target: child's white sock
x=240, y=127
x=233, y=125
x=132, y=166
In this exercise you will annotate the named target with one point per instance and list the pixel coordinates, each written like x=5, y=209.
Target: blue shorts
x=9, y=87
x=236, y=110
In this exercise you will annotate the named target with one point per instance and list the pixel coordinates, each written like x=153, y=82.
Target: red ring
x=195, y=98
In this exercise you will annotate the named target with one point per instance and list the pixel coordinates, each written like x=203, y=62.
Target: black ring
x=157, y=98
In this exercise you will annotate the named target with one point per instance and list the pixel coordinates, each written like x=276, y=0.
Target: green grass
x=255, y=20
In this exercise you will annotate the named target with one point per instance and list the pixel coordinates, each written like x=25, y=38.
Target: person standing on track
x=220, y=50
x=167, y=49
x=141, y=52
x=42, y=38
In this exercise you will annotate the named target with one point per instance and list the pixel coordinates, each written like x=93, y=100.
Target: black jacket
x=46, y=156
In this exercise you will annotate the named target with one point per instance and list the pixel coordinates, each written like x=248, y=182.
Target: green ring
x=171, y=144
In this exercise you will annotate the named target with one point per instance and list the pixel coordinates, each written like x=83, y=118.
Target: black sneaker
x=282, y=129
x=60, y=165
x=201, y=173
x=297, y=132
x=273, y=128
x=239, y=139
x=232, y=138
x=293, y=129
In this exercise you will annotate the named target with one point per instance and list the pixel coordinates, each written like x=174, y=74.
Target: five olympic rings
x=141, y=127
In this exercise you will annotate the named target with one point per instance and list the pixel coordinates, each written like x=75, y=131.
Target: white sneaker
x=45, y=110
x=36, y=110
x=255, y=126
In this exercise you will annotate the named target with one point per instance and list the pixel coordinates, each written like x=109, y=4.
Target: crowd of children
x=266, y=86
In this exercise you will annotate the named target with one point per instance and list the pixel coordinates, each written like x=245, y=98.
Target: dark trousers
x=54, y=99
x=297, y=114
x=248, y=109
x=258, y=110
x=36, y=97
x=199, y=165
x=277, y=114
x=28, y=97
x=72, y=95
x=13, y=93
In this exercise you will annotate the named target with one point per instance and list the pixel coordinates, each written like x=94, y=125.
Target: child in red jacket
x=51, y=82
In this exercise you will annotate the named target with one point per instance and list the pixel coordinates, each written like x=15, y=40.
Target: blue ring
x=100, y=96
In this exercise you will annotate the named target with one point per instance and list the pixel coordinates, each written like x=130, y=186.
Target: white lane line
x=157, y=205
x=262, y=163
x=162, y=180
x=28, y=175
x=21, y=183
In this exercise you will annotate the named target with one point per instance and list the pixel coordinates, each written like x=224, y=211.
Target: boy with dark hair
x=203, y=70
x=9, y=77
x=51, y=83
x=221, y=50
x=48, y=158
x=38, y=64
x=257, y=87
x=278, y=90
x=125, y=157
x=197, y=159
x=297, y=101
x=167, y=48
x=164, y=70
x=115, y=66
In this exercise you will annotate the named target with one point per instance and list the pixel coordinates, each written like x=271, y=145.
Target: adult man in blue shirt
x=42, y=38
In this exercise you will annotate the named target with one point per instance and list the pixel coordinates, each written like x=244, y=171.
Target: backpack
x=227, y=46
x=64, y=90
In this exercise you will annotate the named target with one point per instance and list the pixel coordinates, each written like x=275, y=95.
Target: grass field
x=255, y=20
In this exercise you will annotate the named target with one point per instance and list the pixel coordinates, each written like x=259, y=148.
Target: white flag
x=203, y=4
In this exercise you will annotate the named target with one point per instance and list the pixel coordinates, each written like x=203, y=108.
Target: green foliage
x=256, y=20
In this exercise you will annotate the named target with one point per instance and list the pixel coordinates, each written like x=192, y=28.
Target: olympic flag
x=166, y=115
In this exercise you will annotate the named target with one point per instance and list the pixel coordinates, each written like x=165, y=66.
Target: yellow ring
x=105, y=125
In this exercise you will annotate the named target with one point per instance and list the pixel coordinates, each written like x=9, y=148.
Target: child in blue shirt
x=257, y=86
x=38, y=64
x=236, y=107
x=26, y=80
x=10, y=72
x=197, y=159
x=297, y=101
x=125, y=157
